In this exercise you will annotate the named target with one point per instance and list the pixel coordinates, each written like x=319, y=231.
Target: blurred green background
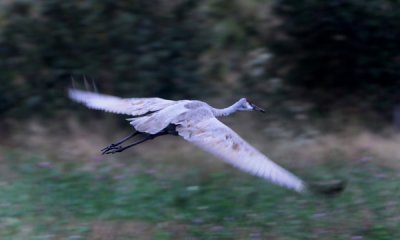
x=328, y=73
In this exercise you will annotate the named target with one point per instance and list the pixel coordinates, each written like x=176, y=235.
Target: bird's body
x=196, y=122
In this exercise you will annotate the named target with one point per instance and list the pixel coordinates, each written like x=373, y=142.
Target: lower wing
x=213, y=136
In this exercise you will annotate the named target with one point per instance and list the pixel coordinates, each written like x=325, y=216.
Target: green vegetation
x=340, y=48
x=201, y=49
x=44, y=199
x=147, y=49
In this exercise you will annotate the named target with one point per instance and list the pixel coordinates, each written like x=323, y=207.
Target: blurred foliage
x=149, y=48
x=172, y=49
x=301, y=50
x=336, y=51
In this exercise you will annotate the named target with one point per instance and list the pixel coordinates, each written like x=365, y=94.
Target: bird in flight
x=196, y=122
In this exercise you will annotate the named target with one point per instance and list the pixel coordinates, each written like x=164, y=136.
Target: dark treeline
x=330, y=53
x=341, y=52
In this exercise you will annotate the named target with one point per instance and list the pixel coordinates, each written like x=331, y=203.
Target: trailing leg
x=115, y=145
x=116, y=149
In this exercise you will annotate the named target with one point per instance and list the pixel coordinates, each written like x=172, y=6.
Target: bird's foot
x=113, y=148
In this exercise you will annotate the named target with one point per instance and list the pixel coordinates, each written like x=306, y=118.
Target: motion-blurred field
x=327, y=72
x=65, y=190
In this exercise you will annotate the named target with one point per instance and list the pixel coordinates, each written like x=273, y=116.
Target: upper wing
x=129, y=106
x=213, y=136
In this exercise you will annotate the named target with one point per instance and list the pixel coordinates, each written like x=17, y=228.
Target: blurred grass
x=45, y=199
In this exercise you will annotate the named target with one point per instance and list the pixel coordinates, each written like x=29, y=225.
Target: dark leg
x=120, y=148
x=114, y=145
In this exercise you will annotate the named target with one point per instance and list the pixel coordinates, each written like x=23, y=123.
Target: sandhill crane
x=197, y=123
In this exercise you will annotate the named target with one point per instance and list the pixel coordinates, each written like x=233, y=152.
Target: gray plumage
x=197, y=123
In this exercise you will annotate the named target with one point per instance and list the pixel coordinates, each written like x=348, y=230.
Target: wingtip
x=300, y=188
x=73, y=85
x=76, y=94
x=94, y=86
x=72, y=93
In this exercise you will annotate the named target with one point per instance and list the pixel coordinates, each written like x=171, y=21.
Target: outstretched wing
x=213, y=136
x=129, y=106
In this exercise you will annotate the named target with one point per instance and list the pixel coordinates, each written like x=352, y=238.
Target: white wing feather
x=129, y=106
x=213, y=136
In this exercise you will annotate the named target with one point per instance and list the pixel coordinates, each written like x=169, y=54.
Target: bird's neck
x=221, y=112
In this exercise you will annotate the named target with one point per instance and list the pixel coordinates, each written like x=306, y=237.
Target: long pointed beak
x=258, y=109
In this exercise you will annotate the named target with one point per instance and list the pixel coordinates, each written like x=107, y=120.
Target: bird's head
x=246, y=105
